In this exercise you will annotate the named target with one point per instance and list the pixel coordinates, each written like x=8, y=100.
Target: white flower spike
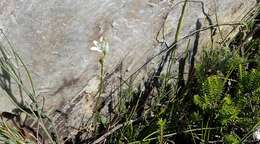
x=100, y=46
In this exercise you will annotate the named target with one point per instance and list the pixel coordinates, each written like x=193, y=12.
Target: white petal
x=95, y=43
x=101, y=39
x=95, y=49
x=256, y=134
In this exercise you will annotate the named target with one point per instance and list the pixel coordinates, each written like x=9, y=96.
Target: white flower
x=100, y=46
x=256, y=134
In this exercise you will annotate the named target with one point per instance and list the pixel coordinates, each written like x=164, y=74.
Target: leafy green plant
x=212, y=91
x=231, y=139
x=162, y=124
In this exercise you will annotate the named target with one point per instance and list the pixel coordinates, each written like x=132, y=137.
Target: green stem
x=101, y=89
x=161, y=135
x=171, y=61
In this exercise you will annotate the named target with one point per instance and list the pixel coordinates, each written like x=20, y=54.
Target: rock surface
x=54, y=39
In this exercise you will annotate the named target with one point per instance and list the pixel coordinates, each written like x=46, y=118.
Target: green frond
x=231, y=139
x=249, y=80
x=228, y=112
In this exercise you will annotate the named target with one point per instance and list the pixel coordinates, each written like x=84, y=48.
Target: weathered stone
x=54, y=40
